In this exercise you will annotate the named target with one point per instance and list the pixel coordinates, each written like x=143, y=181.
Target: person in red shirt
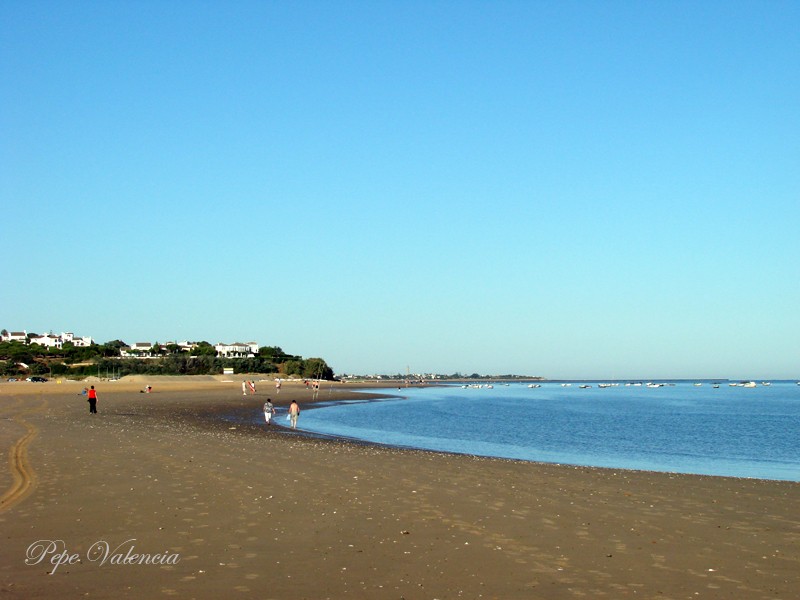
x=92, y=400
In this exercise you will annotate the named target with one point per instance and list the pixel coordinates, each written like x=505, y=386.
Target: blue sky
x=565, y=189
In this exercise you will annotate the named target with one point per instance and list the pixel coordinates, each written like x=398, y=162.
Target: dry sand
x=250, y=513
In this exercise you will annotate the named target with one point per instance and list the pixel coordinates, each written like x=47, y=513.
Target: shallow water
x=731, y=431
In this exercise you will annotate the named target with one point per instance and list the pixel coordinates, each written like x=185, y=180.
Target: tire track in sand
x=24, y=477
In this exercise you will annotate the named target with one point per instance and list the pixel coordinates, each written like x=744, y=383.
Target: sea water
x=683, y=428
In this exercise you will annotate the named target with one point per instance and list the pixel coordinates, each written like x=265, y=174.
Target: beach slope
x=185, y=493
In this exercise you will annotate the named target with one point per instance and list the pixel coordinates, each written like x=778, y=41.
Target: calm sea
x=732, y=431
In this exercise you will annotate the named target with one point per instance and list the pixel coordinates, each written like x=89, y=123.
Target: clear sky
x=566, y=189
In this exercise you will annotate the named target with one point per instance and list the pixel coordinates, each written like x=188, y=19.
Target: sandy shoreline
x=272, y=514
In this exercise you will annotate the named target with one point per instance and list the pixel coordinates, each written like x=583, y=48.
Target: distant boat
x=698, y=384
x=749, y=384
x=766, y=383
x=534, y=385
x=583, y=387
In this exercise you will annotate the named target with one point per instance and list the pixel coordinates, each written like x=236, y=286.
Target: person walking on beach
x=278, y=387
x=252, y=385
x=269, y=410
x=244, y=388
x=92, y=393
x=294, y=412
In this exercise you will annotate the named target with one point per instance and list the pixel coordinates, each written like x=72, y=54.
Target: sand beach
x=176, y=494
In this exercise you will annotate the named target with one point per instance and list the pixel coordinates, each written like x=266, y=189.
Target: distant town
x=136, y=350
x=68, y=354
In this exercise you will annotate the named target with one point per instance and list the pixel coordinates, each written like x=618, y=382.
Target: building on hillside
x=185, y=346
x=236, y=350
x=16, y=336
x=77, y=341
x=48, y=340
x=137, y=350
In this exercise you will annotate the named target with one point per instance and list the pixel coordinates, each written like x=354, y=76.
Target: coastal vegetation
x=17, y=358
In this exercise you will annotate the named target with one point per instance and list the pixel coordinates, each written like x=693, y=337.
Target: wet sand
x=225, y=507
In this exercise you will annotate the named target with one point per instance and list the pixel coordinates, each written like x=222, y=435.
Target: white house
x=236, y=350
x=49, y=340
x=16, y=336
x=137, y=350
x=79, y=342
x=185, y=346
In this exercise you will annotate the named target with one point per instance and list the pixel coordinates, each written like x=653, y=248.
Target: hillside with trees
x=20, y=359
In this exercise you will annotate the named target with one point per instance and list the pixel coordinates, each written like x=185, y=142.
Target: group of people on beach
x=294, y=412
x=269, y=408
x=250, y=386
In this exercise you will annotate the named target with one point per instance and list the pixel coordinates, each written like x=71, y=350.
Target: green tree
x=109, y=349
x=8, y=368
x=38, y=368
x=58, y=368
x=270, y=352
x=16, y=351
x=203, y=349
x=317, y=368
x=292, y=367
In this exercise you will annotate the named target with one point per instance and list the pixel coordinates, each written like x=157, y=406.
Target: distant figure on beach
x=269, y=410
x=278, y=387
x=244, y=388
x=92, y=400
x=252, y=385
x=294, y=412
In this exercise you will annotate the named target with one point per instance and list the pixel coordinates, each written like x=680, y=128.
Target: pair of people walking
x=269, y=412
